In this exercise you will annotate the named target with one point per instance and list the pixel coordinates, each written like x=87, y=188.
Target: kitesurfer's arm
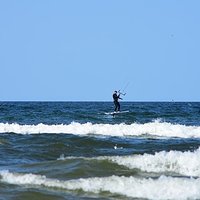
x=119, y=97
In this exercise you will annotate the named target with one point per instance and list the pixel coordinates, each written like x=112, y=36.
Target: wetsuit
x=116, y=102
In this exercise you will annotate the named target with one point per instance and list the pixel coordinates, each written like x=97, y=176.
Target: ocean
x=77, y=150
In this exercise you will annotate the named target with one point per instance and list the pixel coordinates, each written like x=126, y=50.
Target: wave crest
x=159, y=129
x=183, y=163
x=159, y=188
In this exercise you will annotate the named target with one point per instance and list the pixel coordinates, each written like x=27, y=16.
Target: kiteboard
x=117, y=112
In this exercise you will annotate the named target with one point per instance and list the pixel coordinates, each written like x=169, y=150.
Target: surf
x=151, y=129
x=178, y=163
x=150, y=188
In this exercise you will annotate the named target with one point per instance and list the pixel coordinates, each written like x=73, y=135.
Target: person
x=116, y=98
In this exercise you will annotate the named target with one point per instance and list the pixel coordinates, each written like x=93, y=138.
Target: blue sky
x=61, y=50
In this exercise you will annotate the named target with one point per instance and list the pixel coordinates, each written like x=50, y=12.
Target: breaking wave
x=159, y=129
x=157, y=188
x=183, y=163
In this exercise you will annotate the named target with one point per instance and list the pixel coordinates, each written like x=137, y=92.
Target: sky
x=75, y=50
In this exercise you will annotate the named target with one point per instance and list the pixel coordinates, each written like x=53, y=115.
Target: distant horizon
x=60, y=101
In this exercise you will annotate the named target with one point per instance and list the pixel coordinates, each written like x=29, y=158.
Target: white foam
x=183, y=163
x=160, y=188
x=161, y=129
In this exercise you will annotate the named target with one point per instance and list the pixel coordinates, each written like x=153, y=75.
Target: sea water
x=75, y=150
